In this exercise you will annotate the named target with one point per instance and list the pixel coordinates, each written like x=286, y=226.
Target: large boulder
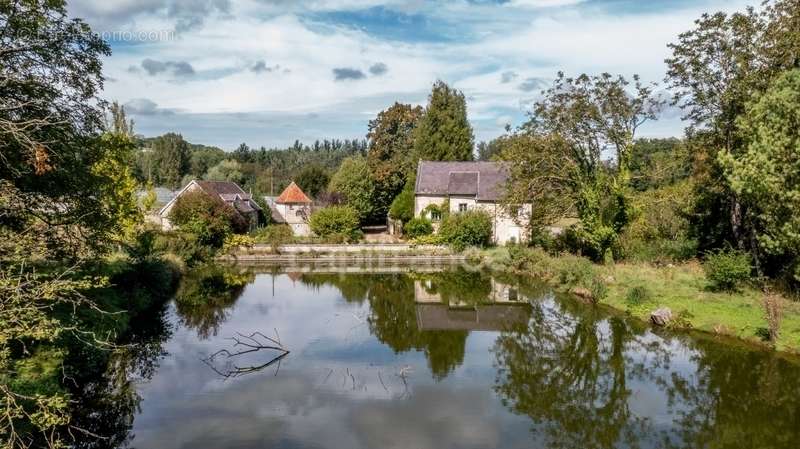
x=661, y=317
x=583, y=294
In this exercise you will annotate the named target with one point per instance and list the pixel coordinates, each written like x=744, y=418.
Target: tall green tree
x=171, y=158
x=588, y=117
x=226, y=170
x=765, y=176
x=715, y=69
x=444, y=133
x=56, y=172
x=353, y=181
x=391, y=152
x=313, y=179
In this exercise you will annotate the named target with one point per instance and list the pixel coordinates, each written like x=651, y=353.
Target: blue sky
x=267, y=72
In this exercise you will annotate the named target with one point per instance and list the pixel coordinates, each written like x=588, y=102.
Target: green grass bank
x=640, y=288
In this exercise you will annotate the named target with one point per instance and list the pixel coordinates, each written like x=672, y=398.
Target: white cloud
x=530, y=43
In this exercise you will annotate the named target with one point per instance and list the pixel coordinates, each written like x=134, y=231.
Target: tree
x=390, y=154
x=208, y=218
x=120, y=124
x=117, y=196
x=203, y=158
x=171, y=159
x=243, y=153
x=658, y=163
x=55, y=169
x=444, y=133
x=226, y=170
x=542, y=172
x=714, y=70
x=765, y=176
x=313, y=179
x=584, y=118
x=354, y=182
x=402, y=207
x=487, y=151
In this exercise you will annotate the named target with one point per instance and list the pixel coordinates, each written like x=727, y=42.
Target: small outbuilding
x=292, y=207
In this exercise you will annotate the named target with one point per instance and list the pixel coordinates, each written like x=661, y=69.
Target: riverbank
x=639, y=289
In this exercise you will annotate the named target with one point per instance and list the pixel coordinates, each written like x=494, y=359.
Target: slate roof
x=276, y=216
x=221, y=187
x=293, y=194
x=483, y=180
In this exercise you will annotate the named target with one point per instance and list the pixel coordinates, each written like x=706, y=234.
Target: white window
x=462, y=207
x=436, y=215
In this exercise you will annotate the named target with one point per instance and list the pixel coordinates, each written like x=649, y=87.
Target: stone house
x=292, y=207
x=228, y=192
x=463, y=186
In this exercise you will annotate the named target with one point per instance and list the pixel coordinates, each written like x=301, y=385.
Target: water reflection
x=103, y=384
x=589, y=380
x=207, y=293
x=430, y=360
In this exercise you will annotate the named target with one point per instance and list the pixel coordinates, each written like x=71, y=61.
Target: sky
x=269, y=72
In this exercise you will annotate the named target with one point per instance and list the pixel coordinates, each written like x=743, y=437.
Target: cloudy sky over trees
x=269, y=72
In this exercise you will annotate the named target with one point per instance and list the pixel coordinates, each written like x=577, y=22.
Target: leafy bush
x=183, y=245
x=417, y=227
x=659, y=230
x=575, y=271
x=638, y=295
x=273, y=235
x=235, y=241
x=727, y=269
x=336, y=220
x=402, y=207
x=430, y=239
x=598, y=288
x=471, y=228
x=533, y=261
x=208, y=218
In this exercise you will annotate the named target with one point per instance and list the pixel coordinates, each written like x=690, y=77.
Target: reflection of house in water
x=503, y=308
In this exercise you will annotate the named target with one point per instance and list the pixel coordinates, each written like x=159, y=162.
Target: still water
x=452, y=359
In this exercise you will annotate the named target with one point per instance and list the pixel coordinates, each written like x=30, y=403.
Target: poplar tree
x=444, y=133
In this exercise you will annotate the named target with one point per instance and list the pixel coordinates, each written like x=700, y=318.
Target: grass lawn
x=683, y=288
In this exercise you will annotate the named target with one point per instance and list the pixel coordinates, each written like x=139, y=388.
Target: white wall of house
x=504, y=227
x=459, y=203
x=296, y=216
x=422, y=201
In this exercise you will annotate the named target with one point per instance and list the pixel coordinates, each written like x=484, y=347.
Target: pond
x=450, y=359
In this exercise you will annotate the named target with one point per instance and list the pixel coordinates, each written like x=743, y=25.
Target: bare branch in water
x=249, y=344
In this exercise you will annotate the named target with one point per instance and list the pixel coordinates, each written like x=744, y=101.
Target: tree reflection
x=569, y=372
x=737, y=397
x=393, y=318
x=102, y=383
x=207, y=293
x=354, y=288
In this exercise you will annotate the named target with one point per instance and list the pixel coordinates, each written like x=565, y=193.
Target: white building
x=463, y=186
x=292, y=207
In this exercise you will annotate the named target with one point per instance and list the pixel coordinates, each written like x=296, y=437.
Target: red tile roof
x=293, y=194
